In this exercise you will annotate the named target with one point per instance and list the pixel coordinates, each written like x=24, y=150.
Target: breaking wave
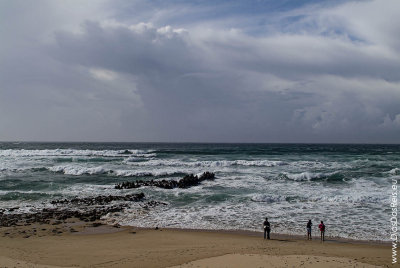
x=309, y=176
x=73, y=170
x=220, y=163
x=394, y=171
x=77, y=171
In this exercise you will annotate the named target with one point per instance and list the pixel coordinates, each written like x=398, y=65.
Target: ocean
x=346, y=186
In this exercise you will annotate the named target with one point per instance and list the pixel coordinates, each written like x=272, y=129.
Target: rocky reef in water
x=87, y=209
x=91, y=209
x=185, y=182
x=100, y=200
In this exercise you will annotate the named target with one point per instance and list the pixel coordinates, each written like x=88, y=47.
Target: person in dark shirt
x=267, y=228
x=322, y=229
x=309, y=225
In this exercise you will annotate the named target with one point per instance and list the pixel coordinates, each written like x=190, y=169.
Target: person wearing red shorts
x=322, y=229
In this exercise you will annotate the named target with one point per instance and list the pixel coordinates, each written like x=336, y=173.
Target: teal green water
x=347, y=186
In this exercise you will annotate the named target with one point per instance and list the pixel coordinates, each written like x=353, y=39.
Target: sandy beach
x=79, y=244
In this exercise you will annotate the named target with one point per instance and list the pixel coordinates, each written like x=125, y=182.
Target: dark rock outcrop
x=126, y=152
x=100, y=200
x=185, y=182
x=85, y=209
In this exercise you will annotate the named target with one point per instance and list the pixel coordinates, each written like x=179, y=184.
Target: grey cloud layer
x=110, y=80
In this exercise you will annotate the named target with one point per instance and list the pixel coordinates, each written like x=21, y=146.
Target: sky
x=200, y=71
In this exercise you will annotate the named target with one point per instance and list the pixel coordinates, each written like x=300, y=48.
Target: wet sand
x=79, y=244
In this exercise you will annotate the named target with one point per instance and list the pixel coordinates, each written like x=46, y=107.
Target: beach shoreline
x=333, y=183
x=82, y=244
x=316, y=235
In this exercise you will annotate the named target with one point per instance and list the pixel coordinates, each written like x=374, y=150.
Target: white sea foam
x=308, y=176
x=139, y=157
x=338, y=199
x=328, y=165
x=268, y=198
x=132, y=173
x=24, y=192
x=220, y=163
x=304, y=176
x=361, y=199
x=85, y=190
x=394, y=171
x=247, y=216
x=141, y=173
x=78, y=170
x=3, y=192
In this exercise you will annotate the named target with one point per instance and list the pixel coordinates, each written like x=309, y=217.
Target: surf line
x=393, y=220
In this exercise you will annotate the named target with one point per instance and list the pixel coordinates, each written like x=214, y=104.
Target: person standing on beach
x=309, y=225
x=267, y=228
x=322, y=229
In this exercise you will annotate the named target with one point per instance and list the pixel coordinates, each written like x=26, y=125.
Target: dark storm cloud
x=115, y=78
